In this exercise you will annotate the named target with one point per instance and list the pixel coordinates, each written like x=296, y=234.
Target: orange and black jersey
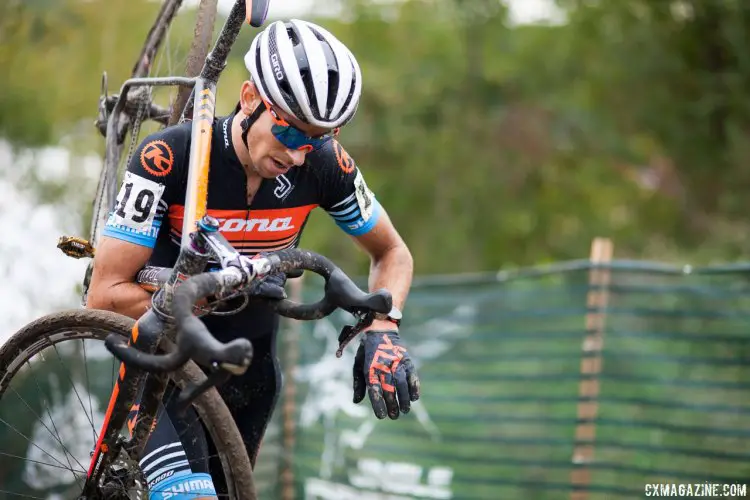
x=151, y=203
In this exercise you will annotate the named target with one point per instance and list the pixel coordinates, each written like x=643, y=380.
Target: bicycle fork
x=145, y=335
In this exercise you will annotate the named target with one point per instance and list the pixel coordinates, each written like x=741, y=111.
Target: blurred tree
x=469, y=135
x=491, y=145
x=672, y=80
x=53, y=55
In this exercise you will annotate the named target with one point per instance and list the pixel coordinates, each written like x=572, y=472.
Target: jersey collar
x=224, y=131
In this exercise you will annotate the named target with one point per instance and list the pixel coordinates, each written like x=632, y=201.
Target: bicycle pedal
x=75, y=247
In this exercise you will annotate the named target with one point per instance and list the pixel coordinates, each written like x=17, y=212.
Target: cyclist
x=273, y=160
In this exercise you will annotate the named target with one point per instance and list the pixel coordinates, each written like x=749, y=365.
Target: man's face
x=268, y=154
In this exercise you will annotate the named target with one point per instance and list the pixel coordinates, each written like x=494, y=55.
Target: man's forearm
x=128, y=299
x=393, y=270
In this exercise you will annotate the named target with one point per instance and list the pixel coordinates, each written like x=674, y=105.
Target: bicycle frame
x=149, y=330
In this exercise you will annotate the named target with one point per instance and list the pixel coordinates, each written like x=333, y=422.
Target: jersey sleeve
x=149, y=186
x=344, y=192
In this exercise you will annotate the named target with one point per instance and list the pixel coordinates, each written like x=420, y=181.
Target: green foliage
x=675, y=74
x=490, y=145
x=53, y=56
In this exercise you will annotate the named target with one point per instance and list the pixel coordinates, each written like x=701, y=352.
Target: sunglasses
x=292, y=137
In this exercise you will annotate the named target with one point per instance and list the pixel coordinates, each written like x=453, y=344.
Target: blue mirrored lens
x=293, y=138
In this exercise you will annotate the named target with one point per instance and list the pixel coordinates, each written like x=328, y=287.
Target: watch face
x=395, y=313
x=389, y=316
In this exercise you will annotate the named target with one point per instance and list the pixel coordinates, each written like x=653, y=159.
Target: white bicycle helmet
x=306, y=71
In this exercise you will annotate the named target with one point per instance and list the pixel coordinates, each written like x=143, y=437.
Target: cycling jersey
x=153, y=194
x=151, y=201
x=150, y=210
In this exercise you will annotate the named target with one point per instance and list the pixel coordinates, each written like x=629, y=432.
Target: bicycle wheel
x=58, y=397
x=174, y=59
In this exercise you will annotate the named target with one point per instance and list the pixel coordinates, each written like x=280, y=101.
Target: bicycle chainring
x=124, y=480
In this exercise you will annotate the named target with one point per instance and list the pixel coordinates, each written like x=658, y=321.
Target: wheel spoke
x=73, y=386
x=32, y=443
x=56, y=434
x=88, y=388
x=20, y=495
x=25, y=459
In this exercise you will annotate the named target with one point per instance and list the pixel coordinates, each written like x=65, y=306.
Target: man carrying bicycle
x=273, y=161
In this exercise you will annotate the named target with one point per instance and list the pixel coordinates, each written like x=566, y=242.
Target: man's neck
x=239, y=146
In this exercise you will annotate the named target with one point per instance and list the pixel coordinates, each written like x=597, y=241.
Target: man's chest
x=272, y=220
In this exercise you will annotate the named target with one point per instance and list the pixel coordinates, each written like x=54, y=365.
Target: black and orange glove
x=383, y=368
x=270, y=287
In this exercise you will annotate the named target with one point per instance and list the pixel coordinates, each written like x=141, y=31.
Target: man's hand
x=270, y=287
x=383, y=368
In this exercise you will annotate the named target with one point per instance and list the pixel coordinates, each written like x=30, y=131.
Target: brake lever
x=349, y=332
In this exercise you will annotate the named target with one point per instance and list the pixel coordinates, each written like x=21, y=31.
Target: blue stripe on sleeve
x=142, y=238
x=358, y=226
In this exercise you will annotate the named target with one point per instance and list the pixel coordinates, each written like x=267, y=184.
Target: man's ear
x=249, y=97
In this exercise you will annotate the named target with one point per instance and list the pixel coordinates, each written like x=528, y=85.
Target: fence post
x=591, y=366
x=288, y=428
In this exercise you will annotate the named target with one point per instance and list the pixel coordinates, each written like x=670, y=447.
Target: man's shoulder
x=332, y=158
x=175, y=136
x=164, y=152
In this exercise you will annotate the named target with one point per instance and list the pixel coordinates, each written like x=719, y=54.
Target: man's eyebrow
x=298, y=127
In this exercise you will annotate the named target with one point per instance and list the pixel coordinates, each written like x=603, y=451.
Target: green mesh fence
x=500, y=359
x=507, y=409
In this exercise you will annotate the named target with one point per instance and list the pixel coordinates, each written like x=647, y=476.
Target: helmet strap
x=248, y=121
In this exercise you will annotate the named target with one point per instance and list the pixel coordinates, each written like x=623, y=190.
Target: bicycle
x=178, y=338
x=163, y=348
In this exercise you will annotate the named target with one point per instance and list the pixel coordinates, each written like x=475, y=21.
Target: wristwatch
x=394, y=316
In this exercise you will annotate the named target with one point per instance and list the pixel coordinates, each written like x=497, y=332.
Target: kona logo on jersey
x=157, y=158
x=261, y=225
x=266, y=229
x=226, y=137
x=346, y=164
x=277, y=67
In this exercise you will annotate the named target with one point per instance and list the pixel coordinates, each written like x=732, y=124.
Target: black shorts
x=180, y=461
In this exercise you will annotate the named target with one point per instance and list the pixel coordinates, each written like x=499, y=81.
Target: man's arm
x=113, y=286
x=356, y=210
x=382, y=366
x=391, y=263
x=151, y=183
